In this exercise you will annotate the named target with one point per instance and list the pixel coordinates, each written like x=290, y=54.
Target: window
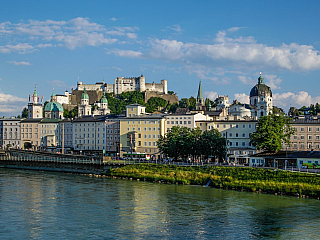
x=237, y=144
x=243, y=126
x=189, y=122
x=237, y=135
x=249, y=125
x=237, y=126
x=309, y=129
x=128, y=129
x=243, y=135
x=295, y=137
x=218, y=125
x=230, y=134
x=224, y=126
x=302, y=137
x=302, y=129
x=243, y=144
x=309, y=137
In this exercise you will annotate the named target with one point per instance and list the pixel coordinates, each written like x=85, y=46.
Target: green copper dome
x=53, y=107
x=260, y=89
x=84, y=94
x=104, y=99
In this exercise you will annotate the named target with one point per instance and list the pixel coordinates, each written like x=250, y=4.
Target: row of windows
x=88, y=129
x=88, y=148
x=150, y=144
x=236, y=135
x=295, y=137
x=302, y=145
x=145, y=129
x=243, y=144
x=179, y=122
x=302, y=129
x=88, y=141
x=6, y=129
x=28, y=135
x=145, y=122
x=180, y=118
x=233, y=125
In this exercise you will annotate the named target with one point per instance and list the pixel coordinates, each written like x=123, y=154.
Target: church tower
x=200, y=106
x=35, y=108
x=261, y=99
x=84, y=109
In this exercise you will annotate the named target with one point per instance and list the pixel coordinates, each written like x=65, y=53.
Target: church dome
x=53, y=107
x=104, y=99
x=84, y=94
x=260, y=89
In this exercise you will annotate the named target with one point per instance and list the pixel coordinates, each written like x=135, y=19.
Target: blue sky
x=226, y=43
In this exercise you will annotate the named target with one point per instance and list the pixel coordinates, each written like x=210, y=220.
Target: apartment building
x=10, y=132
x=141, y=131
x=31, y=132
x=307, y=136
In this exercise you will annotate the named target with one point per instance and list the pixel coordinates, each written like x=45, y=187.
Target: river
x=46, y=205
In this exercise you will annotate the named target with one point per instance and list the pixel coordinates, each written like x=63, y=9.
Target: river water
x=45, y=205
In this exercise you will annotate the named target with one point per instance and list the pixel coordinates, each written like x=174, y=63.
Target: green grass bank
x=236, y=178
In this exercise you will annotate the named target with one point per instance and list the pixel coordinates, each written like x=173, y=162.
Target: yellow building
x=140, y=131
x=31, y=132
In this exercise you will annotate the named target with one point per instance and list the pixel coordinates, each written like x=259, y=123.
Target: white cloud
x=210, y=94
x=247, y=80
x=176, y=28
x=44, y=45
x=241, y=52
x=272, y=81
x=113, y=19
x=7, y=98
x=20, y=48
x=77, y=32
x=59, y=84
x=20, y=63
x=127, y=53
x=119, y=69
x=242, y=97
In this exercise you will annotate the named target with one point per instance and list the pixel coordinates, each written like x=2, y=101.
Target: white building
x=10, y=132
x=35, y=108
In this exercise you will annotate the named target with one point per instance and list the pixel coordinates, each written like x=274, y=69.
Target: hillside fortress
x=123, y=84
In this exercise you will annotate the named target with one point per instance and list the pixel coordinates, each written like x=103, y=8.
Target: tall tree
x=24, y=113
x=272, y=130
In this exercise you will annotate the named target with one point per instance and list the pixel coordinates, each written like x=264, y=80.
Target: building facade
x=10, y=133
x=140, y=132
x=31, y=132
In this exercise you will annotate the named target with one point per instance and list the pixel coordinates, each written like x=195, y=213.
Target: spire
x=35, y=91
x=53, y=94
x=260, y=79
x=200, y=96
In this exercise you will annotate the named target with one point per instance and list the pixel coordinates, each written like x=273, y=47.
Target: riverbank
x=235, y=178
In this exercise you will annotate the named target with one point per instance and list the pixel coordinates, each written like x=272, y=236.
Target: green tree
x=213, y=144
x=170, y=92
x=24, y=113
x=173, y=143
x=154, y=103
x=272, y=130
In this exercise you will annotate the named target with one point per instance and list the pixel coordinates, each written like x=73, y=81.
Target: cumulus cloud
x=241, y=52
x=299, y=99
x=20, y=48
x=247, y=80
x=273, y=81
x=77, y=32
x=210, y=94
x=242, y=98
x=11, y=105
x=113, y=19
x=19, y=63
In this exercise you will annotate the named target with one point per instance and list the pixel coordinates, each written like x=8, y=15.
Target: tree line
x=183, y=142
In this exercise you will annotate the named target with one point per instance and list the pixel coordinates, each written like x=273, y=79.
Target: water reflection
x=42, y=205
